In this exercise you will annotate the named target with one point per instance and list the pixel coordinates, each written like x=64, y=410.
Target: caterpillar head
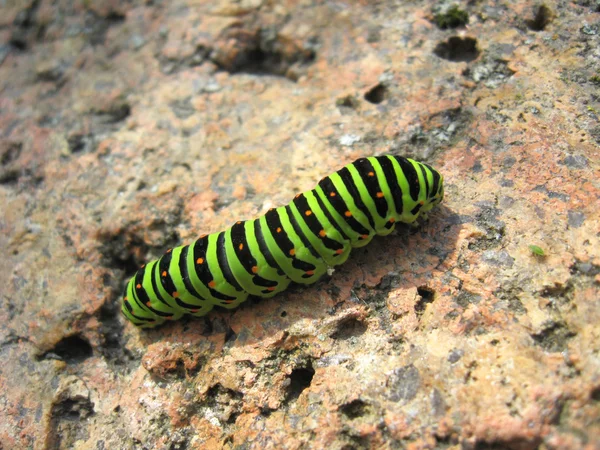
x=436, y=193
x=437, y=198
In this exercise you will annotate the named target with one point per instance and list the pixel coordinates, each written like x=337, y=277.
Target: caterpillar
x=293, y=243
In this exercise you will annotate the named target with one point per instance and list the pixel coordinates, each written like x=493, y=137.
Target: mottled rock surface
x=129, y=126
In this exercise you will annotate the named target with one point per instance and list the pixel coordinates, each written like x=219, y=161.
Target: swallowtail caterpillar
x=297, y=242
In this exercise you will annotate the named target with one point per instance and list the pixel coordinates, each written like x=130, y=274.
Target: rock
x=127, y=128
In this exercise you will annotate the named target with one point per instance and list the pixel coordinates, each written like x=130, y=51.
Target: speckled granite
x=127, y=127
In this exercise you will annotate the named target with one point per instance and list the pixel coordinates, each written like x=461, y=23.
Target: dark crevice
x=52, y=74
x=10, y=153
x=230, y=336
x=300, y=379
x=517, y=443
x=233, y=417
x=79, y=143
x=348, y=328
x=71, y=349
x=9, y=177
x=348, y=101
x=18, y=40
x=116, y=256
x=25, y=27
x=113, y=347
x=458, y=49
x=216, y=325
x=558, y=291
x=354, y=409
x=251, y=48
x=97, y=26
x=376, y=94
x=67, y=419
x=266, y=411
x=13, y=176
x=10, y=172
x=258, y=61
x=225, y=403
x=116, y=112
x=358, y=442
x=123, y=253
x=126, y=250
x=553, y=337
x=426, y=295
x=542, y=17
x=99, y=123
x=72, y=409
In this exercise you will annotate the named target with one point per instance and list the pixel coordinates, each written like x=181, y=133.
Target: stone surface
x=128, y=127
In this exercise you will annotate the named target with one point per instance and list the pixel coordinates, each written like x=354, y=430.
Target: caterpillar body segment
x=292, y=243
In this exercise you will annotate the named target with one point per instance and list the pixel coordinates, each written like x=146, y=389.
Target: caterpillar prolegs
x=296, y=242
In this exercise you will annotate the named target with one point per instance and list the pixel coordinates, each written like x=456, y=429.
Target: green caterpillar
x=296, y=242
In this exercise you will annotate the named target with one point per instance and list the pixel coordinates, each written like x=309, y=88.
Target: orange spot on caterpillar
x=203, y=236
x=364, y=236
x=142, y=266
x=348, y=214
x=175, y=294
x=170, y=250
x=332, y=194
x=310, y=272
x=271, y=288
x=241, y=246
x=278, y=229
x=371, y=174
x=422, y=202
x=297, y=195
x=164, y=274
x=379, y=194
x=322, y=233
x=392, y=220
x=212, y=284
x=339, y=251
x=194, y=310
x=138, y=286
x=254, y=269
x=238, y=222
x=292, y=252
x=148, y=304
x=200, y=261
x=308, y=213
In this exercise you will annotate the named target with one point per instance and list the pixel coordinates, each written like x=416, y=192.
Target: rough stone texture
x=130, y=126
